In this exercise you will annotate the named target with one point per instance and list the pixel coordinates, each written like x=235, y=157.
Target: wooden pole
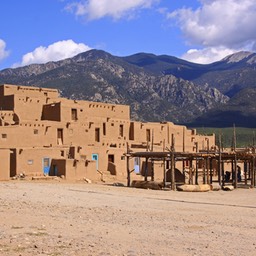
x=196, y=178
x=152, y=161
x=252, y=172
x=152, y=170
x=173, y=163
x=164, y=173
x=146, y=169
x=173, y=171
x=183, y=150
x=249, y=169
x=208, y=162
x=128, y=166
x=235, y=160
x=190, y=172
x=219, y=162
x=207, y=170
x=164, y=169
x=211, y=171
x=222, y=174
x=245, y=172
x=235, y=172
x=204, y=164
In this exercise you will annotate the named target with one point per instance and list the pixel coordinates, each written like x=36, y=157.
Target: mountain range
x=158, y=88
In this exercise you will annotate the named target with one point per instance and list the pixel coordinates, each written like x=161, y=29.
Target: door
x=55, y=170
x=95, y=157
x=59, y=136
x=46, y=165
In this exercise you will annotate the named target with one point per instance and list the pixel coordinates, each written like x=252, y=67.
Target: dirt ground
x=59, y=218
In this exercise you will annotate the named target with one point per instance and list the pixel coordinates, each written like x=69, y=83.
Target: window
x=121, y=130
x=74, y=114
x=111, y=158
x=60, y=136
x=97, y=134
x=131, y=131
x=4, y=136
x=35, y=131
x=104, y=129
x=30, y=162
x=148, y=134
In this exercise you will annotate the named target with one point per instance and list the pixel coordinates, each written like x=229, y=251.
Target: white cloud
x=207, y=55
x=3, y=52
x=228, y=25
x=54, y=52
x=97, y=9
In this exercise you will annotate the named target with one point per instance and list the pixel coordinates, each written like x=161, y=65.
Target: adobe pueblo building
x=43, y=134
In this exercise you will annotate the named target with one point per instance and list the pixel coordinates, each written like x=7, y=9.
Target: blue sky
x=203, y=31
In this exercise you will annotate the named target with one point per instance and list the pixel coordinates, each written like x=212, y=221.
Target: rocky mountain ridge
x=158, y=88
x=99, y=76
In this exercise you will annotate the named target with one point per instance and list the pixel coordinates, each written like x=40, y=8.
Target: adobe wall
x=29, y=91
x=4, y=164
x=28, y=108
x=8, y=118
x=40, y=125
x=87, y=109
x=80, y=169
x=23, y=99
x=28, y=134
x=162, y=135
x=30, y=161
x=105, y=154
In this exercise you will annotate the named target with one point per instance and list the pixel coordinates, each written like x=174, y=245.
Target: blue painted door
x=46, y=165
x=137, y=165
x=95, y=157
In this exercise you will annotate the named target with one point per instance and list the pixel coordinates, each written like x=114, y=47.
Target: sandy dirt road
x=58, y=218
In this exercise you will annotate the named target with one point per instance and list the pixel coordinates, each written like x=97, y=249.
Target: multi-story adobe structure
x=43, y=134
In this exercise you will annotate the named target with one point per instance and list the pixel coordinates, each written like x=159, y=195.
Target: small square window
x=35, y=131
x=4, y=136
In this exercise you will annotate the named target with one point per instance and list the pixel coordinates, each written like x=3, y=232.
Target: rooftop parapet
x=8, y=89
